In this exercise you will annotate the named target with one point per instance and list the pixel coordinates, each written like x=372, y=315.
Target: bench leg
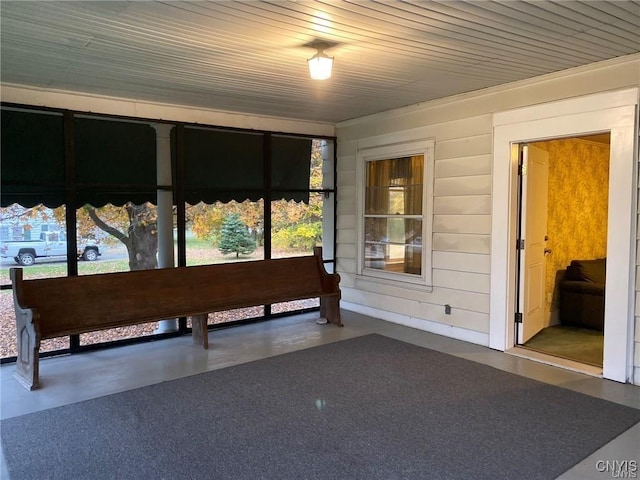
x=330, y=309
x=27, y=362
x=199, y=330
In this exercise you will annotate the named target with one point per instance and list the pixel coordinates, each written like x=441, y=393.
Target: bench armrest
x=28, y=335
x=330, y=284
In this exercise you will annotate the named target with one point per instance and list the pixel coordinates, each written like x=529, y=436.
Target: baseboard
x=450, y=331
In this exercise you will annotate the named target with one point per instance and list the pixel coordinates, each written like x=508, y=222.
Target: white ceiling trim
x=631, y=60
x=157, y=111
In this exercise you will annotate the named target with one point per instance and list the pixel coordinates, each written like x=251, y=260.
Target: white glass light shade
x=320, y=66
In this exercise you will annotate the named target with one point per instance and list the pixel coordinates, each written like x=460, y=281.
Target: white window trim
x=384, y=147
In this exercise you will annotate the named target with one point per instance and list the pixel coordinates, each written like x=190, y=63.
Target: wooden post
x=330, y=309
x=199, y=330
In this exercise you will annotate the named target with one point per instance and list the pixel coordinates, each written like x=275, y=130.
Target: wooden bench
x=54, y=307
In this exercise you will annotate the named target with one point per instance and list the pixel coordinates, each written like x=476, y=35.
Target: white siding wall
x=461, y=231
x=462, y=129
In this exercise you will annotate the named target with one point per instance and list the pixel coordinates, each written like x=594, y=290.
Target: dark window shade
x=32, y=158
x=290, y=167
x=115, y=162
x=221, y=165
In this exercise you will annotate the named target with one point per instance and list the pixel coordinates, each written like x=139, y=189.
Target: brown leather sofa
x=582, y=294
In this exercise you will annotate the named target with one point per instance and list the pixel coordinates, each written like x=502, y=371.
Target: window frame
x=384, y=148
x=69, y=183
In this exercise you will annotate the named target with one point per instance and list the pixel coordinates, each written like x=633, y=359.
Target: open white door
x=533, y=232
x=614, y=112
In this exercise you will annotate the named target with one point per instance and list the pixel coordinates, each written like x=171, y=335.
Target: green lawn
x=199, y=252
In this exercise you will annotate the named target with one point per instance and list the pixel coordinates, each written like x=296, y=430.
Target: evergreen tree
x=235, y=237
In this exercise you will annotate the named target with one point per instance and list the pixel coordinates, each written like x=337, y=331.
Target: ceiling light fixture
x=320, y=64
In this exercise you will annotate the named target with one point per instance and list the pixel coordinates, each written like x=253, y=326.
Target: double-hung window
x=395, y=225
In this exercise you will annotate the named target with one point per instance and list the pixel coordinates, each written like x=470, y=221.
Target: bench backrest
x=72, y=305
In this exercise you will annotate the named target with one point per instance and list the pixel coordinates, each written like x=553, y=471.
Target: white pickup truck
x=50, y=244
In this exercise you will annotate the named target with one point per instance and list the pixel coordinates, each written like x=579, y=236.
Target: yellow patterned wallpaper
x=578, y=201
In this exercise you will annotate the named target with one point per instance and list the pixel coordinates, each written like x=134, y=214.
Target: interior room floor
x=573, y=343
x=69, y=379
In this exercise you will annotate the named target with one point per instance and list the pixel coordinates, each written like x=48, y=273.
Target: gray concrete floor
x=70, y=379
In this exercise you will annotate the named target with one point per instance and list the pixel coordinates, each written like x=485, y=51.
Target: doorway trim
x=614, y=112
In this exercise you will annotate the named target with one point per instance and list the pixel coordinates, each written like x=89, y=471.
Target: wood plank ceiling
x=250, y=57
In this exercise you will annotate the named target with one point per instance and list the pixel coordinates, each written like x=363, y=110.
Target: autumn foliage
x=294, y=226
